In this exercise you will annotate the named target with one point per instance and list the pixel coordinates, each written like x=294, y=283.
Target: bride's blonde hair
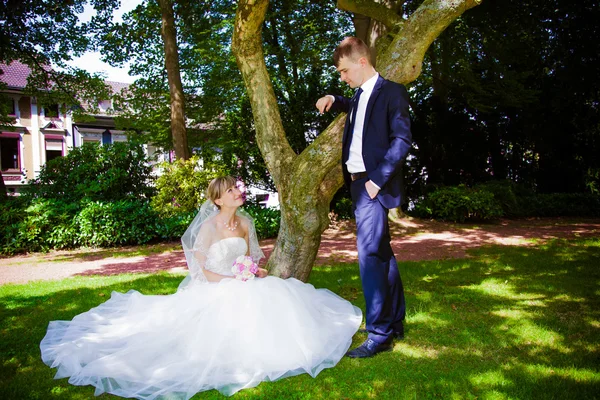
x=218, y=186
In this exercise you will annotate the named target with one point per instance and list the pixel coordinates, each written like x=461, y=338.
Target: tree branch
x=402, y=60
x=247, y=47
x=370, y=8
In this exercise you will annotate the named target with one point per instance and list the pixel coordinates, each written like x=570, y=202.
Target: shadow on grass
x=508, y=322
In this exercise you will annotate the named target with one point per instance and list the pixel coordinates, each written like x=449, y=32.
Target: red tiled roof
x=15, y=75
x=117, y=86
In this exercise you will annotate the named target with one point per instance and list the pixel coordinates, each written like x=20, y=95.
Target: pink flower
x=244, y=268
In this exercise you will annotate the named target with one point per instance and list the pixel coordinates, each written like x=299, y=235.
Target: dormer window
x=51, y=111
x=104, y=105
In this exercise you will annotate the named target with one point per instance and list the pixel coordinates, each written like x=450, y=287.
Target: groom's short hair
x=353, y=48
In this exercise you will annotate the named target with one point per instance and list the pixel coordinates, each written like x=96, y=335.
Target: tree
x=509, y=92
x=46, y=34
x=217, y=108
x=169, y=35
x=307, y=182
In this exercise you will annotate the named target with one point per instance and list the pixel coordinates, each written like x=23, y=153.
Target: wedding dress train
x=226, y=336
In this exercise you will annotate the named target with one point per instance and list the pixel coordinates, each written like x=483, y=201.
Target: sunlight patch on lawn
x=499, y=288
x=430, y=278
x=426, y=297
x=490, y=379
x=513, y=314
x=427, y=320
x=530, y=334
x=565, y=297
x=593, y=322
x=533, y=303
x=575, y=374
x=416, y=352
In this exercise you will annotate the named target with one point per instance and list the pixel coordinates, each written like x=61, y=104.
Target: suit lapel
x=371, y=103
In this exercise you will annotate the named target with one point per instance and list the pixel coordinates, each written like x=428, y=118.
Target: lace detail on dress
x=222, y=254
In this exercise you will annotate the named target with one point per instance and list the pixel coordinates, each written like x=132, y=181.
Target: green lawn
x=507, y=322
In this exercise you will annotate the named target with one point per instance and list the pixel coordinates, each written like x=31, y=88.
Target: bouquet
x=244, y=268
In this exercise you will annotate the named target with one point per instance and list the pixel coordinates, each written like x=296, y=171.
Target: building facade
x=40, y=133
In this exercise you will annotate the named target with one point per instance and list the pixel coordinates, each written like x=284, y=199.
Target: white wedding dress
x=226, y=336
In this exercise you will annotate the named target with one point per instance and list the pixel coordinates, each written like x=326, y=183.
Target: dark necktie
x=354, y=108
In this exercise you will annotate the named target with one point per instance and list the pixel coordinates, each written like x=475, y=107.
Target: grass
x=505, y=323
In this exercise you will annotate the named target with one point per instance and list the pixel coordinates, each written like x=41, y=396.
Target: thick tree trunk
x=307, y=182
x=169, y=35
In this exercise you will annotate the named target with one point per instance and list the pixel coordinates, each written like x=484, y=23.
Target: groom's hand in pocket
x=372, y=189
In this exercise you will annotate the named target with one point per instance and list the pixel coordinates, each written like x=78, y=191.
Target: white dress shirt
x=355, y=161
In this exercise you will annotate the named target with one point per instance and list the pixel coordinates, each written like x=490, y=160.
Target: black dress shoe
x=369, y=348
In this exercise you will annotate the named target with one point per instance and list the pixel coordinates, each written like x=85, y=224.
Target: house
x=41, y=133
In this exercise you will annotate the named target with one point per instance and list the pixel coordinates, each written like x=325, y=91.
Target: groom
x=376, y=141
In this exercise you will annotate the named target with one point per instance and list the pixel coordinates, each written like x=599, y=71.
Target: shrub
x=12, y=213
x=560, y=205
x=182, y=187
x=173, y=227
x=342, y=208
x=458, y=204
x=504, y=192
x=266, y=220
x=98, y=173
x=122, y=222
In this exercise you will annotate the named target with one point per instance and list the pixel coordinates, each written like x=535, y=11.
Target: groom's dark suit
x=386, y=141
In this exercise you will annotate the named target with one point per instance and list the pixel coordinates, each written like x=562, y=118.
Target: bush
x=182, y=187
x=266, y=220
x=560, y=205
x=342, y=208
x=458, y=204
x=505, y=194
x=12, y=213
x=173, y=227
x=112, y=172
x=109, y=224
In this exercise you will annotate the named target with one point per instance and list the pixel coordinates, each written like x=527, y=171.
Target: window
x=10, y=106
x=9, y=153
x=51, y=111
x=54, y=149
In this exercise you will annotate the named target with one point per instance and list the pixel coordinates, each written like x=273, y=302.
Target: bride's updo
x=218, y=186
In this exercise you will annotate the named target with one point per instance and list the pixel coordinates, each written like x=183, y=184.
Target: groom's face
x=352, y=71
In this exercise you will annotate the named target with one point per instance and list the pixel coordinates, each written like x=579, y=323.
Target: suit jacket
x=386, y=139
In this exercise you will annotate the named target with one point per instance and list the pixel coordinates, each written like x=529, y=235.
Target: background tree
x=307, y=182
x=220, y=123
x=169, y=36
x=502, y=96
x=45, y=35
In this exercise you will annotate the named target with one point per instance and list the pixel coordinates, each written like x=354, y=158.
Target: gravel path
x=412, y=240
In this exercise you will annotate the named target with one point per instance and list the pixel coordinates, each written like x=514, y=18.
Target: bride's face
x=232, y=197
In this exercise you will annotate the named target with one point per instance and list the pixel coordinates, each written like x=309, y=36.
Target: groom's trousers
x=381, y=282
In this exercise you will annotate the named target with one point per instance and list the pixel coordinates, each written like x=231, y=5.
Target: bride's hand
x=262, y=273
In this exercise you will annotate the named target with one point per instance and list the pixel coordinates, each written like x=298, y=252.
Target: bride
x=215, y=332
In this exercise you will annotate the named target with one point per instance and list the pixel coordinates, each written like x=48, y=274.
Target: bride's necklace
x=232, y=227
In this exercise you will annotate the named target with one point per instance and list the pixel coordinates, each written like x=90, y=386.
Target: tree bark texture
x=307, y=182
x=169, y=35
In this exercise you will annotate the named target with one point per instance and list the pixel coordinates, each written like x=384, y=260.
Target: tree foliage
x=503, y=95
x=45, y=34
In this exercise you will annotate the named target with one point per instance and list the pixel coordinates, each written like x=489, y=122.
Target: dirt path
x=412, y=240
